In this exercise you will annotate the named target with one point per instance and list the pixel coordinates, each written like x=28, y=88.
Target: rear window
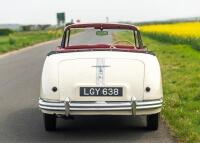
x=92, y=36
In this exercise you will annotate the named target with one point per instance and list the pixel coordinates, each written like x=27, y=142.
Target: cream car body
x=137, y=73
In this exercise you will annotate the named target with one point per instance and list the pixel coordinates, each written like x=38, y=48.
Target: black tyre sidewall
x=49, y=122
x=153, y=121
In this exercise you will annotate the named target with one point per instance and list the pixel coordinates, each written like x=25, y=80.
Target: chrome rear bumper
x=73, y=106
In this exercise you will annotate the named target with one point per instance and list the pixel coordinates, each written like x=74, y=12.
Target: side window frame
x=135, y=38
x=65, y=38
x=138, y=39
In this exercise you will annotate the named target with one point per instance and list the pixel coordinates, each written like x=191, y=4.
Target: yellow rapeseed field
x=183, y=30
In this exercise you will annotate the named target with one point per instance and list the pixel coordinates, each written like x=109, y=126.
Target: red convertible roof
x=103, y=26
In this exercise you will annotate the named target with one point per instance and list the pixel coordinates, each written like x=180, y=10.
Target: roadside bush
x=11, y=40
x=4, y=32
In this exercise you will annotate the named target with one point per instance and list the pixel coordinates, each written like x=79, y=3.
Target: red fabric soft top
x=104, y=26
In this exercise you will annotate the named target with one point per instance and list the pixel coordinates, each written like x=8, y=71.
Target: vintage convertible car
x=101, y=72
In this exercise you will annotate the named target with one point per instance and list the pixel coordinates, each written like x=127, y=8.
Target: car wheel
x=49, y=122
x=152, y=121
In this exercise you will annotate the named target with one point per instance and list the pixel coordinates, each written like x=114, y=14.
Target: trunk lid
x=101, y=72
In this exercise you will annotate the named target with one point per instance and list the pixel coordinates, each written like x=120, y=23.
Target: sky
x=44, y=11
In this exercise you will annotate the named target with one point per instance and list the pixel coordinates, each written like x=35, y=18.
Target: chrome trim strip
x=48, y=103
x=150, y=104
x=149, y=107
x=143, y=103
x=100, y=109
x=52, y=108
x=100, y=105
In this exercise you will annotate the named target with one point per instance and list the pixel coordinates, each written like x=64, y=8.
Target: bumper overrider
x=133, y=107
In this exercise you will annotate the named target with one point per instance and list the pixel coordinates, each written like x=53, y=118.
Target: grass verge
x=194, y=42
x=181, y=80
x=18, y=40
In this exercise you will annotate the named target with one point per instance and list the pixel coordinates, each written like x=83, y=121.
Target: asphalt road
x=21, y=120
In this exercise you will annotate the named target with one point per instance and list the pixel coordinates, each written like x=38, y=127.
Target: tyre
x=49, y=122
x=152, y=121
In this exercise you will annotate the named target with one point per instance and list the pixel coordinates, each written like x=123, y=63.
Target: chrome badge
x=100, y=71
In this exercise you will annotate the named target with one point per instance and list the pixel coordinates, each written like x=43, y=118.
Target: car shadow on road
x=27, y=125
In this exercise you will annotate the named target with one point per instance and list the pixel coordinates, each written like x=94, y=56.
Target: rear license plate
x=101, y=91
